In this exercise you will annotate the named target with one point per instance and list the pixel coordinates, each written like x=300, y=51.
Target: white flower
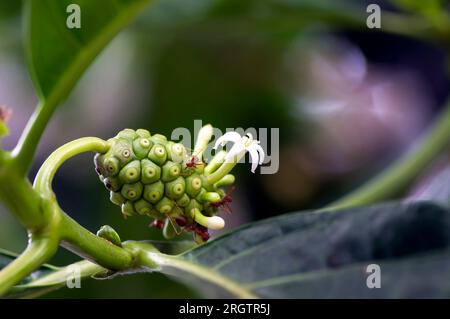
x=241, y=145
x=204, y=136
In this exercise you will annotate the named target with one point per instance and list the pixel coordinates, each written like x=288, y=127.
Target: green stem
x=172, y=262
x=74, y=237
x=37, y=253
x=44, y=178
x=28, y=142
x=223, y=170
x=149, y=257
x=21, y=200
x=396, y=178
x=85, y=244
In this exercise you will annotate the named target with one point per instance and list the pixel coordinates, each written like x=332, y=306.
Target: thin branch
x=37, y=253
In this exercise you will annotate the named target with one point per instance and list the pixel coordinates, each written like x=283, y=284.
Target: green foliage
x=58, y=56
x=314, y=255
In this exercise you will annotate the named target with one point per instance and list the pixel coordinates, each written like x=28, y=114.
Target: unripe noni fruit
x=147, y=175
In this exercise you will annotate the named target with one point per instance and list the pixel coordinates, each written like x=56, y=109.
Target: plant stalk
x=37, y=252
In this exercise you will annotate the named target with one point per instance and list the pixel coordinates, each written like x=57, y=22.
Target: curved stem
x=223, y=170
x=44, y=177
x=394, y=180
x=74, y=237
x=37, y=253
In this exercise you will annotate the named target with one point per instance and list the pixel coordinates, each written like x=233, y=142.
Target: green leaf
x=326, y=254
x=58, y=56
x=56, y=279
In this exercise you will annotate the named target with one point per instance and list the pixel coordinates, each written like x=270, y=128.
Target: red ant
x=193, y=162
x=225, y=201
x=196, y=228
x=202, y=232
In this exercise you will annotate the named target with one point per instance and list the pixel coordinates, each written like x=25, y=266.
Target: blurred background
x=347, y=102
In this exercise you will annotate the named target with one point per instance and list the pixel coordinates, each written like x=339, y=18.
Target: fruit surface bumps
x=147, y=175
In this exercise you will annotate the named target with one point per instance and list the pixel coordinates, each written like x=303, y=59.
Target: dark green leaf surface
x=326, y=254
x=58, y=56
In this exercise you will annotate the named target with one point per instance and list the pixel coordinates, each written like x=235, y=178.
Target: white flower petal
x=205, y=132
x=228, y=137
x=215, y=223
x=254, y=157
x=260, y=151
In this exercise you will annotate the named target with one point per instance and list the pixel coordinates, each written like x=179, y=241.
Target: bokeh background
x=347, y=102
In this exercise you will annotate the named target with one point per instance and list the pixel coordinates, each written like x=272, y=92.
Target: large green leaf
x=58, y=56
x=326, y=254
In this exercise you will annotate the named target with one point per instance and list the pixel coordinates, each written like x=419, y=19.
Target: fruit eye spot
x=126, y=153
x=165, y=209
x=154, y=195
x=145, y=142
x=196, y=183
x=159, y=151
x=131, y=194
x=174, y=170
x=150, y=171
x=178, y=188
x=131, y=172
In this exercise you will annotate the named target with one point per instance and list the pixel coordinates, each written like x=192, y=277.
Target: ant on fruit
x=200, y=230
x=225, y=201
x=193, y=162
x=182, y=222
